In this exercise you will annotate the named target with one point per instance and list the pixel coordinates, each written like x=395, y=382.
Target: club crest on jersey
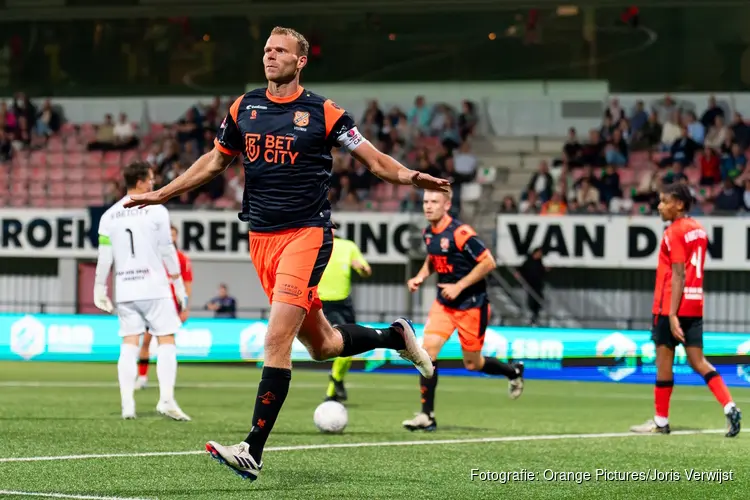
x=427, y=239
x=254, y=114
x=301, y=118
x=445, y=244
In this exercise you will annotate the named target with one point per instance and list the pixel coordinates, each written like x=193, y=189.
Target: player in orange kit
x=186, y=269
x=678, y=310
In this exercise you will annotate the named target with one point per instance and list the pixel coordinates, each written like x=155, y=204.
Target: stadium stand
x=46, y=161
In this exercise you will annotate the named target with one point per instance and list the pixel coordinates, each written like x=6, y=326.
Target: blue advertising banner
x=548, y=353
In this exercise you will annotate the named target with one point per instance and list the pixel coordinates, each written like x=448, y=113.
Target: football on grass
x=331, y=417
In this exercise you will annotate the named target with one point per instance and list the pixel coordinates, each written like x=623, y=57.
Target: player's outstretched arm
x=104, y=261
x=203, y=170
x=390, y=170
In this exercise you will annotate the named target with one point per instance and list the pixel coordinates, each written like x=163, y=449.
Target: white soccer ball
x=331, y=417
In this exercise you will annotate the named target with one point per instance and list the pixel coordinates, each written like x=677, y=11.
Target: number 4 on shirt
x=697, y=260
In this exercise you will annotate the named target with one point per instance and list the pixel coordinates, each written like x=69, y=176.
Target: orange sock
x=718, y=388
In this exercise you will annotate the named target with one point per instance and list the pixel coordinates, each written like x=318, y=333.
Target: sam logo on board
x=624, y=351
x=28, y=337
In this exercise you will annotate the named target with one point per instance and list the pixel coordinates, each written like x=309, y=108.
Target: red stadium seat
x=75, y=173
x=56, y=174
x=73, y=159
x=390, y=206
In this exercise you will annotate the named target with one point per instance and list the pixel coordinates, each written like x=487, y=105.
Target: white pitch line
x=62, y=495
x=377, y=444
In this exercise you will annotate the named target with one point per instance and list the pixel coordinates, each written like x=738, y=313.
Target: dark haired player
x=678, y=309
x=462, y=262
x=286, y=134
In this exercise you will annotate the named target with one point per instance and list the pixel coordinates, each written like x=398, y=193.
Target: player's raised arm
x=341, y=128
x=104, y=262
x=227, y=146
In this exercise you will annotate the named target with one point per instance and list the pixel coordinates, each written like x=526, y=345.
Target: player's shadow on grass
x=464, y=428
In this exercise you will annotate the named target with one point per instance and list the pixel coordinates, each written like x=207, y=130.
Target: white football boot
x=171, y=410
x=413, y=352
x=237, y=458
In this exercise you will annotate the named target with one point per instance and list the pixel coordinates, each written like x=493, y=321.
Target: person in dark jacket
x=533, y=273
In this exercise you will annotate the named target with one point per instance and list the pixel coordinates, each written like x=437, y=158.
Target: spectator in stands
x=114, y=193
x=23, y=108
x=555, y=206
x=373, y=110
x=648, y=136
x=438, y=120
x=732, y=162
x=370, y=128
x=105, y=136
x=508, y=206
x=614, y=112
x=350, y=203
x=189, y=153
x=671, y=131
x=682, y=150
x=740, y=131
x=710, y=167
x=212, y=114
x=605, y=132
x=8, y=119
x=609, y=185
x=624, y=129
x=6, y=149
x=730, y=199
x=696, y=130
x=712, y=112
x=361, y=180
x=586, y=193
x=648, y=187
x=616, y=151
x=665, y=108
x=22, y=136
x=48, y=122
x=450, y=135
x=593, y=150
x=420, y=115
x=572, y=150
x=467, y=120
x=676, y=174
x=717, y=134
x=223, y=305
x=530, y=204
x=190, y=128
x=125, y=134
x=541, y=182
x=465, y=162
x=639, y=118
x=412, y=202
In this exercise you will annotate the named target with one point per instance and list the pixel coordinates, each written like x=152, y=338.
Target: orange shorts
x=470, y=323
x=291, y=262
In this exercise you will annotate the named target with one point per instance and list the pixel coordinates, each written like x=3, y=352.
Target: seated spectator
x=23, y=108
x=350, y=203
x=616, y=151
x=8, y=119
x=6, y=149
x=605, y=132
x=676, y=174
x=48, y=120
x=614, y=112
x=648, y=187
x=105, y=136
x=588, y=174
x=412, y=203
x=530, y=204
x=467, y=120
x=586, y=193
x=682, y=151
x=639, y=118
x=125, y=134
x=465, y=162
x=593, y=150
x=712, y=112
x=572, y=150
x=190, y=128
x=710, y=167
x=671, y=131
x=508, y=206
x=740, y=131
x=189, y=153
x=695, y=129
x=624, y=129
x=362, y=180
x=555, y=206
x=730, y=199
x=717, y=134
x=22, y=136
x=732, y=162
x=420, y=115
x=541, y=182
x=649, y=135
x=223, y=305
x=450, y=135
x=609, y=185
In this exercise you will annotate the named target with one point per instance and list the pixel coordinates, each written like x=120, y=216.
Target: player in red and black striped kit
x=186, y=270
x=678, y=310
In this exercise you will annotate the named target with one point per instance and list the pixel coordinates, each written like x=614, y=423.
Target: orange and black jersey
x=287, y=145
x=454, y=249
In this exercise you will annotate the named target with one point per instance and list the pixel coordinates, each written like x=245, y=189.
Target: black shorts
x=339, y=312
x=692, y=328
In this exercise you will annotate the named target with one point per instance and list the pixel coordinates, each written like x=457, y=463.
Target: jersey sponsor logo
x=440, y=264
x=252, y=146
x=445, y=244
x=301, y=118
x=273, y=149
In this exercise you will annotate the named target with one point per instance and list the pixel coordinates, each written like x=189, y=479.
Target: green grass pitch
x=59, y=410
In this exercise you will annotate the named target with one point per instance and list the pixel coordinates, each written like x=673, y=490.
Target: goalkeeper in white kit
x=139, y=243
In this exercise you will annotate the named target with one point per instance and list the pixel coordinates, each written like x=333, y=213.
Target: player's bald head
x=303, y=46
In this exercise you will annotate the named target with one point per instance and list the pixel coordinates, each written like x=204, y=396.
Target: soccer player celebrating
x=462, y=262
x=139, y=244
x=334, y=290
x=678, y=309
x=286, y=134
x=186, y=270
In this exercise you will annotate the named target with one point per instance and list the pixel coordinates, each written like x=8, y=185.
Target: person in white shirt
x=139, y=243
